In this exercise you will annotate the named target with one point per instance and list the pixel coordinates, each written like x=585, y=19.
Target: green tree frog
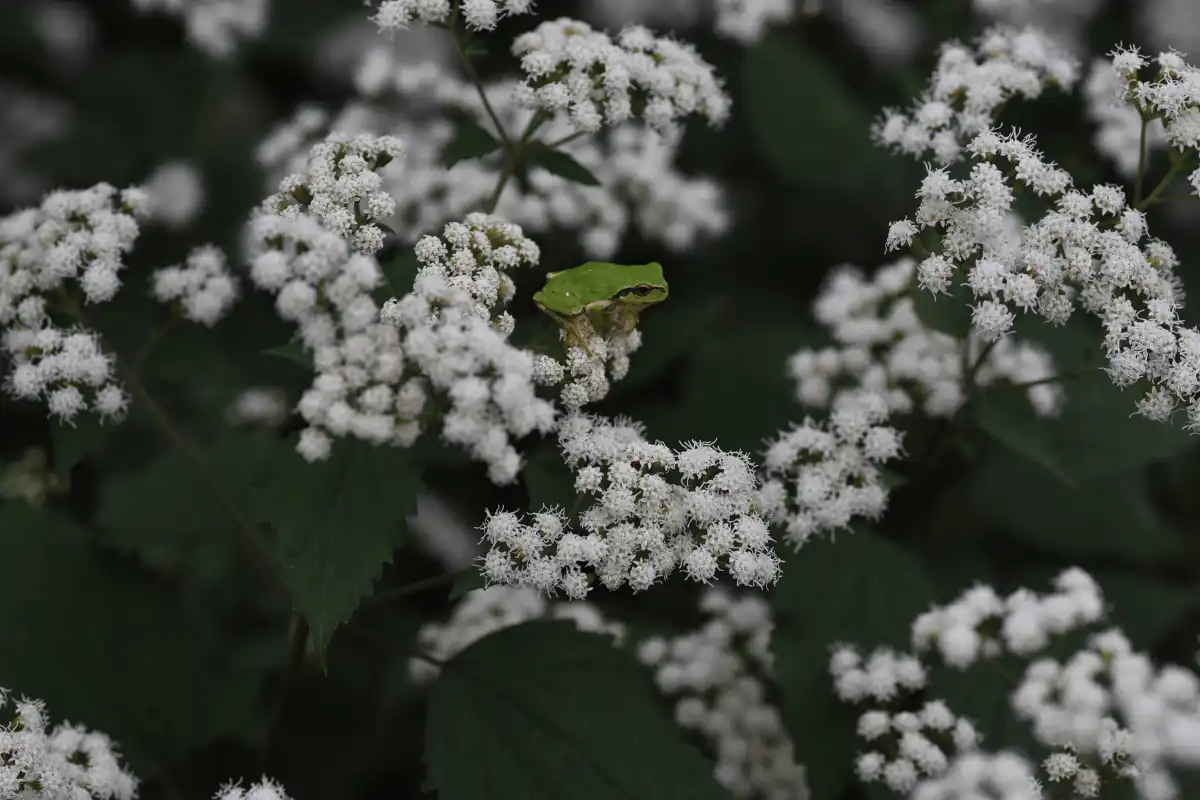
x=599, y=299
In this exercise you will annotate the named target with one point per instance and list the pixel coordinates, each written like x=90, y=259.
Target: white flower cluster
x=1173, y=96
x=480, y=15
x=31, y=480
x=1105, y=714
x=324, y=288
x=639, y=184
x=999, y=776
x=485, y=611
x=920, y=741
x=203, y=287
x=1110, y=707
x=968, y=87
x=37, y=761
x=819, y=477
x=654, y=510
x=1091, y=249
x=1118, y=123
x=980, y=624
x=747, y=21
x=215, y=26
x=264, y=789
x=449, y=336
x=882, y=346
x=571, y=67
x=589, y=365
x=719, y=674
x=74, y=236
x=341, y=186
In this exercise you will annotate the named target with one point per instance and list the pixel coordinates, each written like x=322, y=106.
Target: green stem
x=296, y=652
x=473, y=75
x=570, y=137
x=246, y=531
x=1179, y=163
x=512, y=158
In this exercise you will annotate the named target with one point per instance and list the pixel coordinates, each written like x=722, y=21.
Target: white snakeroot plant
x=597, y=80
x=1105, y=714
x=968, y=87
x=882, y=346
x=1091, y=250
x=719, y=676
x=203, y=286
x=54, y=260
x=478, y=15
x=39, y=762
x=821, y=476
x=653, y=510
x=215, y=26
x=262, y=789
x=456, y=342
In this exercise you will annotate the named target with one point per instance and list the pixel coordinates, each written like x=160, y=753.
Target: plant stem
x=512, y=158
x=1178, y=165
x=295, y=660
x=247, y=533
x=473, y=75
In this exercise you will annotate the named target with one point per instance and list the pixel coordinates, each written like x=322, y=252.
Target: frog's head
x=645, y=286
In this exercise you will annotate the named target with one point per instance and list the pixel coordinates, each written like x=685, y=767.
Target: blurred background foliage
x=128, y=605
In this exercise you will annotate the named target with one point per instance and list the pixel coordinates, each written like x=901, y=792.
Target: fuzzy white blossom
x=215, y=26
x=968, y=87
x=176, y=190
x=454, y=337
x=1118, y=123
x=653, y=510
x=73, y=245
x=595, y=80
x=203, y=286
x=40, y=762
x=747, y=21
x=881, y=346
x=718, y=677
x=639, y=184
x=486, y=611
x=263, y=789
x=259, y=405
x=821, y=476
x=342, y=187
x=1092, y=249
x=479, y=15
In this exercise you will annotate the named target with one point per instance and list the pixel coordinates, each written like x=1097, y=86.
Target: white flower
x=595, y=80
x=204, y=287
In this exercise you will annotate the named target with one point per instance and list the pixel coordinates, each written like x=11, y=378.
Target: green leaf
x=470, y=141
x=400, y=272
x=861, y=589
x=559, y=163
x=292, y=351
x=543, y=710
x=338, y=522
x=1111, y=516
x=166, y=516
x=1097, y=433
x=107, y=646
x=810, y=127
x=1007, y=417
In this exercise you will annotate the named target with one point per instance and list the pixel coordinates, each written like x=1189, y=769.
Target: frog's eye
x=641, y=291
